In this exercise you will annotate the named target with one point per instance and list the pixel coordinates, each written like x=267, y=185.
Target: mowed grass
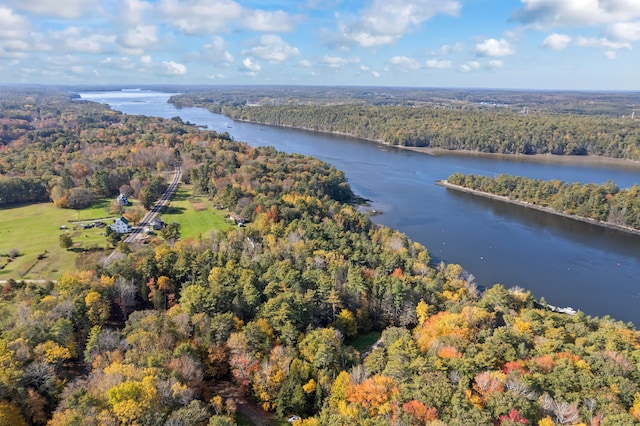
x=33, y=231
x=192, y=222
x=363, y=342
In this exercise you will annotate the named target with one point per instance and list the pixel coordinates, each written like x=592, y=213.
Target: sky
x=511, y=44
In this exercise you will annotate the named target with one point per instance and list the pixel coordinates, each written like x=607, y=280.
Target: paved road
x=138, y=230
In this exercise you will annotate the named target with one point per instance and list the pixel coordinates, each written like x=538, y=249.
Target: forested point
x=446, y=125
x=276, y=309
x=604, y=203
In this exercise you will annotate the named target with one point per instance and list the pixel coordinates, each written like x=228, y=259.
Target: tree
x=66, y=242
x=171, y=232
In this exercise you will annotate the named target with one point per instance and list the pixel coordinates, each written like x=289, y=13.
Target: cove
x=569, y=263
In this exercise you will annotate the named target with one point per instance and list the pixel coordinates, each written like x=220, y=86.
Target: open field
x=33, y=231
x=364, y=342
x=196, y=216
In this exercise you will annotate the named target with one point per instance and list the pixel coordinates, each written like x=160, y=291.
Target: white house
x=123, y=200
x=121, y=225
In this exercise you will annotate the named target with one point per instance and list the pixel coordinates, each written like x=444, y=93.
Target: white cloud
x=338, y=61
x=376, y=74
x=493, y=47
x=273, y=49
x=278, y=21
x=601, y=42
x=629, y=31
x=216, y=52
x=15, y=49
x=134, y=12
x=216, y=76
x=305, y=63
x=121, y=63
x=448, y=49
x=405, y=62
x=495, y=64
x=67, y=9
x=139, y=38
x=385, y=22
x=439, y=64
x=547, y=13
x=173, y=68
x=12, y=25
x=470, y=66
x=254, y=67
x=557, y=41
x=610, y=54
x=199, y=17
x=334, y=61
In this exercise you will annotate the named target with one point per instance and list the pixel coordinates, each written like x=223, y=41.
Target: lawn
x=33, y=231
x=363, y=342
x=196, y=216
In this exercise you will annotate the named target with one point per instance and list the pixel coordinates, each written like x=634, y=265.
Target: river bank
x=585, y=160
x=607, y=225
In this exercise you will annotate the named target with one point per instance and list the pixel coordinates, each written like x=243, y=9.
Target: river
x=569, y=263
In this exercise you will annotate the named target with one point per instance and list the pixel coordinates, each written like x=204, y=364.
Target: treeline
x=273, y=310
x=74, y=152
x=605, y=203
x=483, y=130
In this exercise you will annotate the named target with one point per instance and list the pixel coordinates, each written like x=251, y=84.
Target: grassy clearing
x=364, y=342
x=34, y=231
x=194, y=221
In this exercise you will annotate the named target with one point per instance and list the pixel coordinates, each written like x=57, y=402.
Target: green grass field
x=193, y=222
x=34, y=229
x=363, y=342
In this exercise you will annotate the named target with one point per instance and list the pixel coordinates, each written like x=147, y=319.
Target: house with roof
x=123, y=200
x=157, y=224
x=121, y=226
x=237, y=219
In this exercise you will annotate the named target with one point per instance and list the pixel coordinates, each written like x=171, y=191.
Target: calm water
x=567, y=262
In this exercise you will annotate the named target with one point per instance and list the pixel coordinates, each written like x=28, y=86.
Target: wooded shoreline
x=586, y=160
x=626, y=229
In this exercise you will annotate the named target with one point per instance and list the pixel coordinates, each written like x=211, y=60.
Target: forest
x=605, y=203
x=274, y=309
x=446, y=125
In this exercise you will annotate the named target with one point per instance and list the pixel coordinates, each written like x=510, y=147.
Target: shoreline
x=587, y=160
x=544, y=209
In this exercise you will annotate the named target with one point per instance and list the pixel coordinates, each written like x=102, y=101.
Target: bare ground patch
x=198, y=205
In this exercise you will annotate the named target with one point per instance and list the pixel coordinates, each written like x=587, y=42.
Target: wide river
x=567, y=262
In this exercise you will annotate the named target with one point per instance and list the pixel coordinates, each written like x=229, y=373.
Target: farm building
x=121, y=226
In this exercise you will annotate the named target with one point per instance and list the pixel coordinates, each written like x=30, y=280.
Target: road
x=138, y=230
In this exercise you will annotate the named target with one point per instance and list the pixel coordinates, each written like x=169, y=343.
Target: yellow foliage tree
x=10, y=415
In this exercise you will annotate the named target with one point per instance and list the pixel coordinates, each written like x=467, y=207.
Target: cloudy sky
x=532, y=44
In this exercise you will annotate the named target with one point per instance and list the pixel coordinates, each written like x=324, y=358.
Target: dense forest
x=604, y=203
x=73, y=152
x=274, y=310
x=449, y=126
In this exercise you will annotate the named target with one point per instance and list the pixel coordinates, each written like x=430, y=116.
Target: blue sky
x=527, y=44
